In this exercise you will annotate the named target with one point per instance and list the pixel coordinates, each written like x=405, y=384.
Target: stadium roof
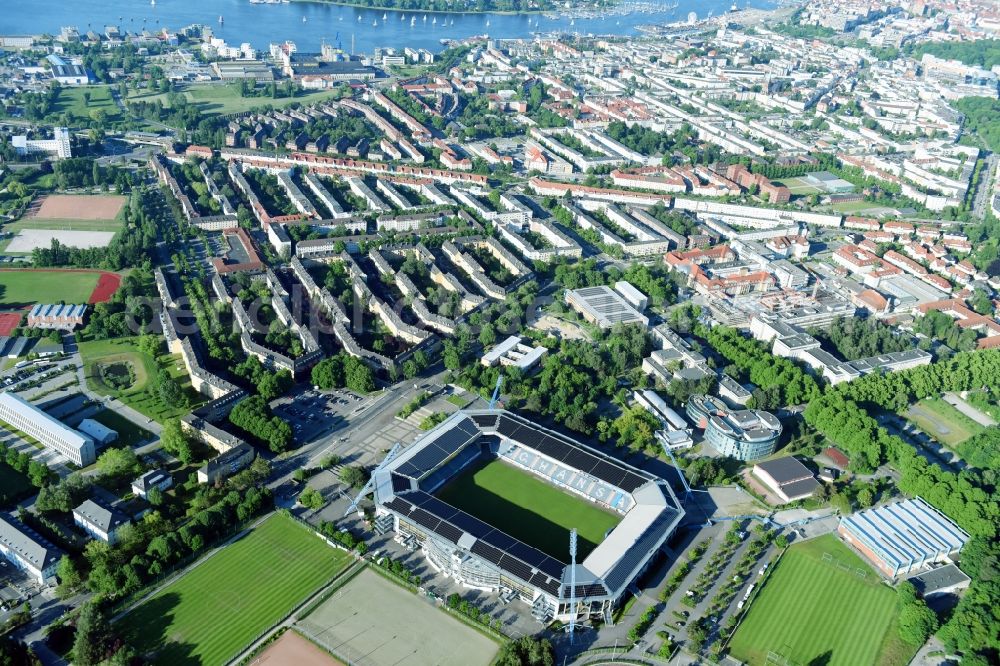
x=650, y=510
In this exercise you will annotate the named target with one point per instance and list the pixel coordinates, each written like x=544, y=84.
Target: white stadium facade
x=480, y=556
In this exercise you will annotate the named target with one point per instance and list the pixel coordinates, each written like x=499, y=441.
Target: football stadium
x=520, y=488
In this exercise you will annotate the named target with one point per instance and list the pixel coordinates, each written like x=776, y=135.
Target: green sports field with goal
x=212, y=612
x=822, y=604
x=529, y=509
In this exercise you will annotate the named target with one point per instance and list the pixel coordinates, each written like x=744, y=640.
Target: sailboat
x=384, y=16
x=487, y=23
x=572, y=21
x=402, y=17
x=221, y=20
x=303, y=19
x=435, y=21
x=359, y=19
x=152, y=3
x=425, y=18
x=375, y=23
x=413, y=21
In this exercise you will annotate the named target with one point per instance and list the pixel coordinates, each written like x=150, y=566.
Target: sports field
x=800, y=186
x=372, y=620
x=942, y=421
x=822, y=605
x=19, y=288
x=222, y=604
x=527, y=508
x=80, y=207
x=216, y=99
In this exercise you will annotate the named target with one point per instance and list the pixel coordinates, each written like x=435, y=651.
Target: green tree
x=119, y=463
x=916, y=623
x=353, y=476
x=175, y=442
x=70, y=576
x=526, y=651
x=92, y=634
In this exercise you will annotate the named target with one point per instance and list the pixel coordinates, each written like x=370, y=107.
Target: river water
x=262, y=24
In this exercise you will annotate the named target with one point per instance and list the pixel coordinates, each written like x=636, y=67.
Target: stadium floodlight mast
x=496, y=392
x=370, y=486
x=660, y=435
x=572, y=583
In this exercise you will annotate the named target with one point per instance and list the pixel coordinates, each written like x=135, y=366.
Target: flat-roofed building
x=903, y=537
x=604, y=307
x=101, y=521
x=787, y=478
x=513, y=351
x=745, y=434
x=52, y=434
x=29, y=551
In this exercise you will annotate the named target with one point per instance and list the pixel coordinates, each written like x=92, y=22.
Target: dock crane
x=370, y=486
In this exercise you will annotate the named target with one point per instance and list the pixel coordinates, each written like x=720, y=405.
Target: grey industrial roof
x=941, y=578
x=907, y=531
x=785, y=470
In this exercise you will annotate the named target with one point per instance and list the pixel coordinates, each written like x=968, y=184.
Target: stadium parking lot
x=314, y=414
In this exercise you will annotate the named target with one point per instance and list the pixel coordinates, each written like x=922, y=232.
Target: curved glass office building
x=744, y=434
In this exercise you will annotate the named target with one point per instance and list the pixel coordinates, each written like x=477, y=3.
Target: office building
x=746, y=434
x=52, y=434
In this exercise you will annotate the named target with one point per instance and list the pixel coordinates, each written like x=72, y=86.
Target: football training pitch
x=371, y=620
x=942, y=421
x=528, y=509
x=25, y=287
x=210, y=613
x=821, y=604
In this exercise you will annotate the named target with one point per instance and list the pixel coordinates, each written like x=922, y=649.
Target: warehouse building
x=787, y=478
x=29, y=551
x=604, y=307
x=903, y=537
x=31, y=420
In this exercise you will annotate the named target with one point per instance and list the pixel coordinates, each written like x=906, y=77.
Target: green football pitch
x=821, y=604
x=221, y=605
x=529, y=509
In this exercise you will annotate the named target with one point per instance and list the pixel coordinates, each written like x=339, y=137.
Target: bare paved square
x=372, y=622
x=28, y=239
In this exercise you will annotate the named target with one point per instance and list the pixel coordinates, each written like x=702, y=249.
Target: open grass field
x=72, y=99
x=799, y=186
x=20, y=288
x=216, y=99
x=13, y=485
x=527, y=508
x=210, y=613
x=371, y=620
x=942, y=421
x=80, y=207
x=102, y=352
x=812, y=611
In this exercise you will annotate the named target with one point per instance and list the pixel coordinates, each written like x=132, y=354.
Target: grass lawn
x=71, y=225
x=221, y=605
x=223, y=99
x=101, y=352
x=72, y=99
x=14, y=486
x=814, y=612
x=20, y=288
x=129, y=434
x=800, y=186
x=529, y=509
x=942, y=421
